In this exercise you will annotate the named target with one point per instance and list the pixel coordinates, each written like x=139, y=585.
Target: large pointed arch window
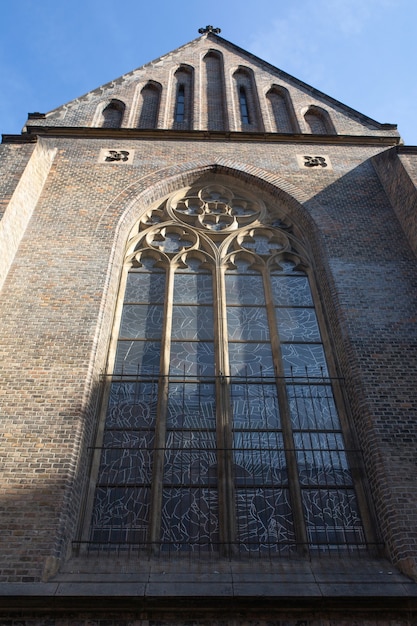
x=222, y=431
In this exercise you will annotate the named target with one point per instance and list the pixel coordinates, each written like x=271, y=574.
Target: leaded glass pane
x=191, y=405
x=190, y=458
x=128, y=439
x=321, y=459
x=134, y=357
x=264, y=520
x=244, y=289
x=127, y=465
x=193, y=288
x=304, y=361
x=250, y=323
x=255, y=406
x=145, y=287
x=131, y=405
x=291, y=290
x=192, y=322
x=120, y=515
x=192, y=358
x=251, y=360
x=190, y=519
x=297, y=325
x=259, y=458
x=312, y=407
x=332, y=517
x=142, y=321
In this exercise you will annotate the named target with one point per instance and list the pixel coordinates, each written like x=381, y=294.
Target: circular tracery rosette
x=214, y=208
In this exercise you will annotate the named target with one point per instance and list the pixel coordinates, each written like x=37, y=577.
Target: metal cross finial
x=209, y=29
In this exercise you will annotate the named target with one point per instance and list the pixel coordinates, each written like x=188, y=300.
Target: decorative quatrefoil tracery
x=216, y=221
x=214, y=208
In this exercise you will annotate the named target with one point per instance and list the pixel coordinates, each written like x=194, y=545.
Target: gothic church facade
x=208, y=354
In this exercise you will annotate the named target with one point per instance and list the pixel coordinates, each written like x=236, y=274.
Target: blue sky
x=361, y=52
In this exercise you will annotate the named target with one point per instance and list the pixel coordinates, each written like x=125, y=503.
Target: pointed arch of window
x=282, y=111
x=318, y=121
x=249, y=113
x=215, y=110
x=184, y=98
x=222, y=426
x=150, y=97
x=112, y=114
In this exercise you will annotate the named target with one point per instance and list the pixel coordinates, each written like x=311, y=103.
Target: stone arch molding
x=128, y=205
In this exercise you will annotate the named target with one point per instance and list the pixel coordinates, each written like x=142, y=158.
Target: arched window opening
x=112, y=115
x=183, y=104
x=180, y=104
x=249, y=109
x=150, y=96
x=221, y=431
x=244, y=109
x=282, y=110
x=215, y=109
x=318, y=121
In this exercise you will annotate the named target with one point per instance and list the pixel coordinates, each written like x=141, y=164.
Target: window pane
x=190, y=458
x=249, y=323
x=332, y=517
x=255, y=406
x=145, y=287
x=134, y=357
x=251, y=360
x=302, y=360
x=130, y=464
x=193, y=289
x=192, y=359
x=131, y=405
x=321, y=459
x=191, y=405
x=297, y=324
x=120, y=515
x=192, y=322
x=291, y=290
x=259, y=458
x=264, y=520
x=190, y=519
x=142, y=321
x=312, y=407
x=244, y=289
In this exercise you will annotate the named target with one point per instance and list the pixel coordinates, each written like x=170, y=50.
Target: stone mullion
x=161, y=413
x=227, y=512
x=287, y=433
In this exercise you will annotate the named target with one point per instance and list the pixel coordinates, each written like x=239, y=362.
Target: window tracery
x=221, y=431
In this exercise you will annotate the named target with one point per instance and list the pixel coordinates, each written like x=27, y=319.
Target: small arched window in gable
x=243, y=104
x=249, y=111
x=112, y=114
x=215, y=110
x=180, y=104
x=183, y=104
x=319, y=122
x=282, y=111
x=150, y=97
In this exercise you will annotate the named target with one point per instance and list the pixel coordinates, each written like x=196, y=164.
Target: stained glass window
x=222, y=431
x=243, y=103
